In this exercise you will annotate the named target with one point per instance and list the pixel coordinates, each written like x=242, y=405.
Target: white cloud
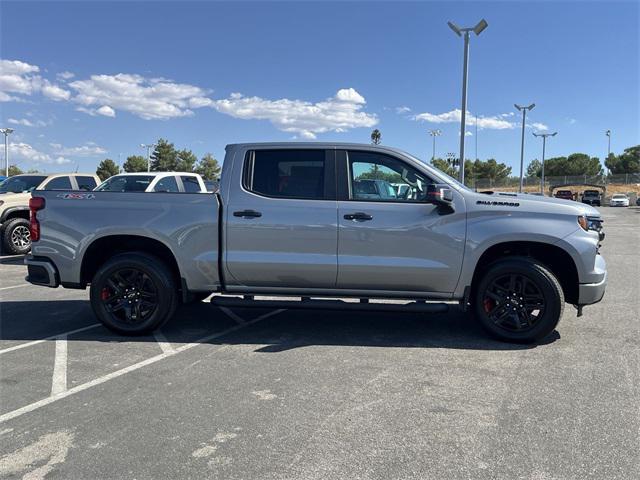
x=155, y=98
x=539, y=126
x=54, y=92
x=65, y=75
x=403, y=109
x=25, y=122
x=106, y=110
x=23, y=152
x=89, y=149
x=496, y=122
x=339, y=113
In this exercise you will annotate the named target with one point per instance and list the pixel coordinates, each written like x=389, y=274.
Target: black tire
x=16, y=239
x=133, y=293
x=518, y=300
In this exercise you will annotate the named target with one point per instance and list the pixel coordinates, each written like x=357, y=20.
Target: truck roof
x=336, y=145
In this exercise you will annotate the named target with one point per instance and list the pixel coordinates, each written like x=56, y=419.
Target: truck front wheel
x=519, y=300
x=133, y=294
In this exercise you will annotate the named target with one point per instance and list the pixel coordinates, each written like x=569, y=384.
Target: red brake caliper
x=105, y=293
x=488, y=304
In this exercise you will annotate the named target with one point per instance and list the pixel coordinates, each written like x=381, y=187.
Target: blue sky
x=82, y=81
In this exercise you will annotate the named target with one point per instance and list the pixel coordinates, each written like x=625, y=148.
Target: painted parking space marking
x=232, y=315
x=131, y=368
x=15, y=286
x=52, y=337
x=163, y=343
x=59, y=380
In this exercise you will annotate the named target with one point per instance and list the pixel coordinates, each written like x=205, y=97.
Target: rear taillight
x=35, y=204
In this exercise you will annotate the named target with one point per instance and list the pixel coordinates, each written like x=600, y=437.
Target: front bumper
x=42, y=271
x=589, y=293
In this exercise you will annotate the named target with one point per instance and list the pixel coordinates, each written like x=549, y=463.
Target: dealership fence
x=631, y=179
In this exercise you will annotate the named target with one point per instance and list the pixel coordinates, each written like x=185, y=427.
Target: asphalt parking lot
x=275, y=394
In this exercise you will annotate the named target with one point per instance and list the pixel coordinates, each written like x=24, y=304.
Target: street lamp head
x=482, y=24
x=608, y=133
x=455, y=28
x=553, y=134
x=530, y=107
x=518, y=106
x=6, y=131
x=537, y=134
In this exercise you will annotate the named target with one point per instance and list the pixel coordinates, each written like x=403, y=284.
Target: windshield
x=21, y=184
x=133, y=183
x=619, y=196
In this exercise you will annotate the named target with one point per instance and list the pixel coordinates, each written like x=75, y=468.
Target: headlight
x=590, y=223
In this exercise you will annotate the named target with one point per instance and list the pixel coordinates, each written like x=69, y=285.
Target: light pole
x=524, y=114
x=148, y=146
x=6, y=132
x=434, y=134
x=482, y=24
x=544, y=144
x=608, y=134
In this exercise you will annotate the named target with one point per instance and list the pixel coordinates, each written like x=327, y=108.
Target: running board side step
x=417, y=306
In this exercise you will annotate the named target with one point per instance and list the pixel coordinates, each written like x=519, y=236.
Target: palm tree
x=375, y=137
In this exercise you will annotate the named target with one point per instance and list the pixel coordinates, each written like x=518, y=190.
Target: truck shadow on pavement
x=277, y=332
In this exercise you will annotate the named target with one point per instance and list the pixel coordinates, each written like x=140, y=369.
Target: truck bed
x=185, y=223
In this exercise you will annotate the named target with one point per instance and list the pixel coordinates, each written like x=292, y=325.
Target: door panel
x=283, y=242
x=388, y=237
x=403, y=247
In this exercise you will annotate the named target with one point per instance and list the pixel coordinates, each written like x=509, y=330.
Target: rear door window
x=59, y=183
x=287, y=173
x=86, y=183
x=166, y=184
x=190, y=184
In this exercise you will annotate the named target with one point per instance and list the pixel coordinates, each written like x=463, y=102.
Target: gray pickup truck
x=288, y=221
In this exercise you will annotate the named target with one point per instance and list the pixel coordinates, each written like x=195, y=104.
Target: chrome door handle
x=358, y=216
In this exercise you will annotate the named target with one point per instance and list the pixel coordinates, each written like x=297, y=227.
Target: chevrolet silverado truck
x=289, y=221
x=15, y=193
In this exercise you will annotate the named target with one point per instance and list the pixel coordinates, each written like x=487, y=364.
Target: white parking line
x=15, y=286
x=35, y=342
x=163, y=343
x=131, y=368
x=234, y=316
x=59, y=381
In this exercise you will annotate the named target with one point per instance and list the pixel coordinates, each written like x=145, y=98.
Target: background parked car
x=366, y=189
x=15, y=193
x=212, y=185
x=619, y=200
x=591, y=197
x=564, y=194
x=177, y=182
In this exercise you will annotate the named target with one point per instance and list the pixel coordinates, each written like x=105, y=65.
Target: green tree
x=574, y=164
x=627, y=162
x=33, y=170
x=443, y=166
x=186, y=161
x=14, y=170
x=164, y=157
x=135, y=163
x=106, y=169
x=376, y=137
x=534, y=169
x=208, y=167
x=490, y=170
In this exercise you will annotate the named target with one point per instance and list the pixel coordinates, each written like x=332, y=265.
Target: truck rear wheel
x=519, y=300
x=16, y=239
x=133, y=294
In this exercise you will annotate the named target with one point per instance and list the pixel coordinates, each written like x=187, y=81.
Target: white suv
x=15, y=193
x=177, y=182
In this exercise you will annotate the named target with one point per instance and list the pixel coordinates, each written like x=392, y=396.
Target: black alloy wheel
x=133, y=293
x=518, y=300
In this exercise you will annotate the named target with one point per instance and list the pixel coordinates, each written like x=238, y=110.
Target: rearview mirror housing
x=439, y=194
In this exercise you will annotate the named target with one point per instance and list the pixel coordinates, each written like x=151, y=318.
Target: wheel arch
x=103, y=248
x=14, y=212
x=555, y=258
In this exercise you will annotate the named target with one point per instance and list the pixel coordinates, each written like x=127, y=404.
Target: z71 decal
x=497, y=203
x=76, y=196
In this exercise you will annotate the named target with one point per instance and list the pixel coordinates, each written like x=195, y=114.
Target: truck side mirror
x=439, y=194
